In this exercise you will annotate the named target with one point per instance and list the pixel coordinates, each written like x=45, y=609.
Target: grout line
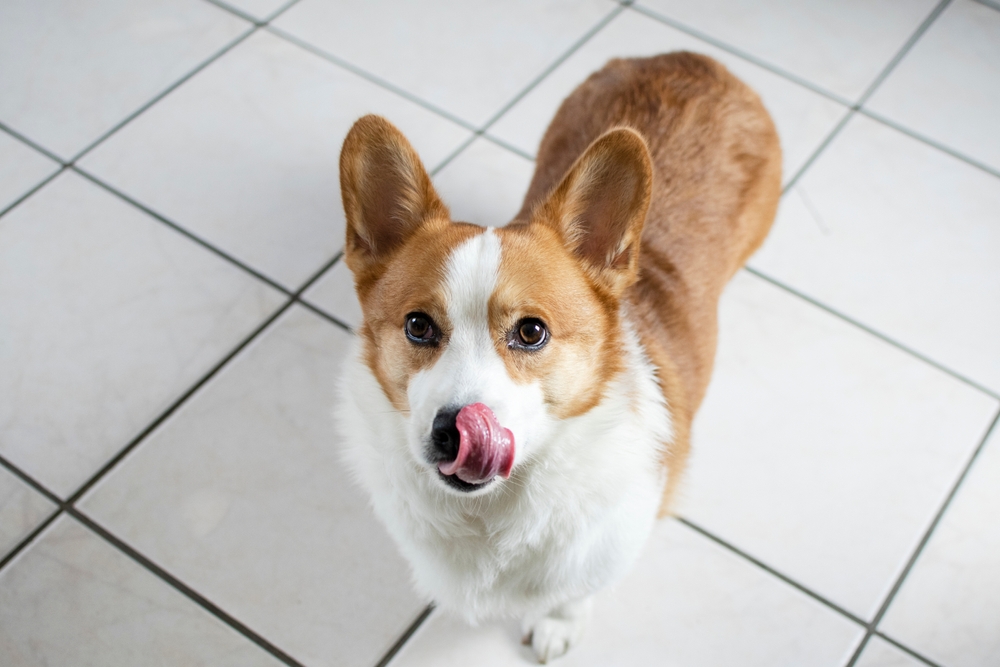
x=25, y=140
x=454, y=154
x=929, y=142
x=905, y=49
x=31, y=537
x=184, y=232
x=38, y=186
x=819, y=149
x=878, y=334
x=169, y=89
x=906, y=649
x=67, y=508
x=992, y=4
x=770, y=570
x=226, y=7
x=554, y=65
x=183, y=588
x=745, y=55
x=923, y=542
x=326, y=316
x=368, y=76
x=137, y=440
x=405, y=637
x=511, y=147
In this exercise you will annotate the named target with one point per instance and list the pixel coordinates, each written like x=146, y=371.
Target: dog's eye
x=420, y=329
x=531, y=334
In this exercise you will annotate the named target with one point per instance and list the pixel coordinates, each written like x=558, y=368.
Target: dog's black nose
x=444, y=436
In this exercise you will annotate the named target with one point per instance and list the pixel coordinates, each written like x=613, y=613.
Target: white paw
x=553, y=635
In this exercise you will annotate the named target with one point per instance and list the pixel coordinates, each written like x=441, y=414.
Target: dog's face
x=483, y=339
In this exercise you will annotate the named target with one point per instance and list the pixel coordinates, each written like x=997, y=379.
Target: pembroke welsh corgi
x=519, y=399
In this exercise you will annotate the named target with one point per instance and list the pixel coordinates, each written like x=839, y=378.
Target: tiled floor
x=173, y=311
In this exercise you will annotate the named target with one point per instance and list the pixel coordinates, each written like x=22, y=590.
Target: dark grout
x=874, y=332
x=871, y=627
x=972, y=162
x=906, y=649
x=183, y=588
x=826, y=602
x=405, y=637
x=30, y=538
x=992, y=4
x=740, y=53
x=38, y=186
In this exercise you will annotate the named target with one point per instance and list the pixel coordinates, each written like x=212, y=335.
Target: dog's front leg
x=554, y=633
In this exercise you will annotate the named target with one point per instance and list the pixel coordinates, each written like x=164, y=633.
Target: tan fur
x=716, y=181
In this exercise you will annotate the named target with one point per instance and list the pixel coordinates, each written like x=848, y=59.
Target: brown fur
x=654, y=183
x=716, y=183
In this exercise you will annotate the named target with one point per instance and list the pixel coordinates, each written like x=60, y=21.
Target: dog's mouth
x=472, y=447
x=454, y=482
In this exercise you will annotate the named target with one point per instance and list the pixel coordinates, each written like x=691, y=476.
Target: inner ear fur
x=600, y=206
x=386, y=192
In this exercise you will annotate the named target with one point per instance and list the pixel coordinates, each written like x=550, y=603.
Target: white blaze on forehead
x=470, y=278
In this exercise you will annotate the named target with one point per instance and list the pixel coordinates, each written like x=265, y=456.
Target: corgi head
x=484, y=339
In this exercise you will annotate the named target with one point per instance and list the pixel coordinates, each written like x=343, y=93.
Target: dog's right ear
x=386, y=191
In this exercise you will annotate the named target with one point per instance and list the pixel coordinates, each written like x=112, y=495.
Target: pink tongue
x=485, y=448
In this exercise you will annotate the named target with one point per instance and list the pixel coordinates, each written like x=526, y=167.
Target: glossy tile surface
x=75, y=600
x=841, y=47
x=71, y=70
x=108, y=316
x=880, y=653
x=485, y=184
x=857, y=368
x=22, y=510
x=242, y=494
x=948, y=87
x=949, y=607
x=803, y=118
x=334, y=294
x=245, y=154
x=901, y=237
x=688, y=601
x=466, y=58
x=822, y=450
x=21, y=168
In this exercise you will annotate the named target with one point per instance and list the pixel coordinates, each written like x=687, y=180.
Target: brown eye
x=420, y=329
x=531, y=334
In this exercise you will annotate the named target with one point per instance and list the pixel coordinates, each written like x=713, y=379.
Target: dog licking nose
x=471, y=444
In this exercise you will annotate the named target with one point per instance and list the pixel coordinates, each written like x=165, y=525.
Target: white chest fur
x=571, y=519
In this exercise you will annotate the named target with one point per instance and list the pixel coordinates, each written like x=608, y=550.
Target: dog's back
x=716, y=183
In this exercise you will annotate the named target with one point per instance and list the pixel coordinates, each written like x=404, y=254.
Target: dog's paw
x=552, y=635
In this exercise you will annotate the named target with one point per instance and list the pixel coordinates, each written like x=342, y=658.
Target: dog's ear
x=386, y=191
x=600, y=206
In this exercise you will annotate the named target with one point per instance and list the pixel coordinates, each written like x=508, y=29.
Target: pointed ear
x=600, y=206
x=386, y=192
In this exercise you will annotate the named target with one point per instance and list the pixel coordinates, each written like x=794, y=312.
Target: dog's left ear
x=600, y=206
x=386, y=191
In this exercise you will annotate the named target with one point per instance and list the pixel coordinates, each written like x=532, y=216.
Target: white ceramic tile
x=72, y=599
x=880, y=653
x=259, y=9
x=822, y=450
x=243, y=496
x=839, y=46
x=106, y=317
x=467, y=58
x=485, y=184
x=948, y=87
x=902, y=237
x=71, y=69
x=687, y=602
x=803, y=118
x=949, y=606
x=246, y=153
x=21, y=168
x=22, y=509
x=334, y=293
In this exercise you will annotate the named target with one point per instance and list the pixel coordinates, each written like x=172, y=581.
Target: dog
x=519, y=399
